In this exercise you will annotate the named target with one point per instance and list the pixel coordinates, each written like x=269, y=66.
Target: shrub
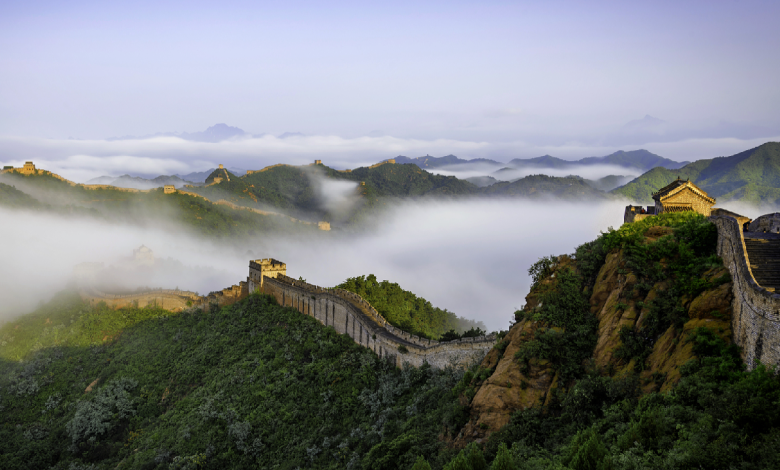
x=95, y=417
x=542, y=268
x=421, y=464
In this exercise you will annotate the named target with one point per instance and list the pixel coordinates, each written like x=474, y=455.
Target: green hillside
x=751, y=176
x=256, y=385
x=542, y=186
x=253, y=385
x=407, y=180
x=405, y=310
x=636, y=159
x=12, y=197
x=286, y=188
x=144, y=208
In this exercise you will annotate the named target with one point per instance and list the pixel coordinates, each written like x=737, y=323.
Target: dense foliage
x=677, y=261
x=569, y=335
x=253, y=385
x=718, y=416
x=414, y=314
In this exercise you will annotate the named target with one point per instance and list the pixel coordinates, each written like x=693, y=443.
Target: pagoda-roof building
x=682, y=195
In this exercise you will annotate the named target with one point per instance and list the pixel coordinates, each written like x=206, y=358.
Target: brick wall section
x=167, y=299
x=350, y=314
x=756, y=320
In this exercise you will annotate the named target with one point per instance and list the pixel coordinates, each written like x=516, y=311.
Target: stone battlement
x=345, y=311
x=350, y=314
x=756, y=318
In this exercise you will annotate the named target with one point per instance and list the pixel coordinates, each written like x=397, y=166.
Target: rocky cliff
x=650, y=288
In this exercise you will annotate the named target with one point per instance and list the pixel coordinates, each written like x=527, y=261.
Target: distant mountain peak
x=213, y=134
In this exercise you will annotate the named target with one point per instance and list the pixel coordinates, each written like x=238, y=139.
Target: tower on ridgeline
x=267, y=267
x=677, y=196
x=681, y=196
x=27, y=169
x=169, y=189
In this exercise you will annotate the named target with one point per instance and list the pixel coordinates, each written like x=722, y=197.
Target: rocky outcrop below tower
x=624, y=329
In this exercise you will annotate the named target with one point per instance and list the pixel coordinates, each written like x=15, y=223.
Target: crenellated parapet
x=348, y=313
x=756, y=318
x=168, y=299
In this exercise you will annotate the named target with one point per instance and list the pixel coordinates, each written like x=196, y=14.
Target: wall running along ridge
x=167, y=299
x=350, y=314
x=344, y=311
x=756, y=319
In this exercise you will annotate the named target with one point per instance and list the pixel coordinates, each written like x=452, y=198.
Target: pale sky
x=500, y=79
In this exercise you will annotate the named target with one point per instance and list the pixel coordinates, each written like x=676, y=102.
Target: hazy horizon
x=363, y=82
x=354, y=83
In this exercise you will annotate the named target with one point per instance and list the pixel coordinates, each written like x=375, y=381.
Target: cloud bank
x=81, y=160
x=469, y=257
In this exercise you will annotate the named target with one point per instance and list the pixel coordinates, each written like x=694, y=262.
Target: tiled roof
x=678, y=185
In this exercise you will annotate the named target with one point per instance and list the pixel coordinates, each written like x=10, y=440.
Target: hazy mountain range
x=214, y=134
x=641, y=160
x=750, y=176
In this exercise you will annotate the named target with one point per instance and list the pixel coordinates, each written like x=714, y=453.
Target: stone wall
x=350, y=314
x=167, y=299
x=766, y=223
x=173, y=300
x=756, y=318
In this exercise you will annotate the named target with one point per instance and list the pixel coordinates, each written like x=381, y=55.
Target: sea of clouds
x=82, y=160
x=470, y=257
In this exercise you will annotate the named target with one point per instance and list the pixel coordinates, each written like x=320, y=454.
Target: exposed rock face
x=507, y=389
x=616, y=304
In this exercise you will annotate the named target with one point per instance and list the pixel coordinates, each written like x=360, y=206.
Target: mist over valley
x=389, y=235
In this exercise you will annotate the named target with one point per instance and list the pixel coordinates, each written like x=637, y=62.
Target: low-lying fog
x=591, y=172
x=470, y=257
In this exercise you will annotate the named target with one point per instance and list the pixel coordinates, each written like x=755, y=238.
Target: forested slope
x=622, y=359
x=751, y=176
x=406, y=311
x=253, y=385
x=152, y=208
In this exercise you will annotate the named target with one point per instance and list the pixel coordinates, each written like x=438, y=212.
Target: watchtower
x=266, y=267
x=28, y=168
x=682, y=195
x=318, y=162
x=169, y=189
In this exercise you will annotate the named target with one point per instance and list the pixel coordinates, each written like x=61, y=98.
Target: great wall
x=344, y=311
x=756, y=307
x=29, y=169
x=755, y=321
x=750, y=249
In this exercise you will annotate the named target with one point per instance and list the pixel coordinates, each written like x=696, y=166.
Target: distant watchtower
x=169, y=189
x=28, y=169
x=267, y=267
x=318, y=162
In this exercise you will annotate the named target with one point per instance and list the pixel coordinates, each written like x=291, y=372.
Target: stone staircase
x=764, y=259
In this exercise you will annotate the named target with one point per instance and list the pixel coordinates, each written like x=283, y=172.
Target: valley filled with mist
x=389, y=235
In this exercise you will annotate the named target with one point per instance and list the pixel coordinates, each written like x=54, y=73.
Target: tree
x=421, y=464
x=503, y=460
x=475, y=458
